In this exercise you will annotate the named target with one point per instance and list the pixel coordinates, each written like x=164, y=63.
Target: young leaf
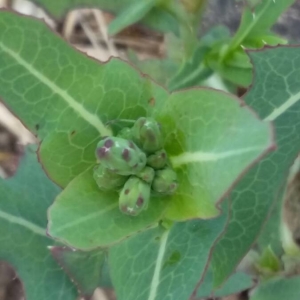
x=260, y=40
x=64, y=97
x=162, y=264
x=268, y=262
x=236, y=69
x=277, y=289
x=195, y=70
x=259, y=21
x=240, y=77
x=85, y=217
x=86, y=269
x=210, y=140
x=275, y=96
x=132, y=14
x=23, y=241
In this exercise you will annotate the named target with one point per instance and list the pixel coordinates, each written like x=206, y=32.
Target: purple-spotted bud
x=147, y=174
x=125, y=133
x=120, y=156
x=158, y=160
x=134, y=196
x=108, y=180
x=146, y=133
x=165, y=181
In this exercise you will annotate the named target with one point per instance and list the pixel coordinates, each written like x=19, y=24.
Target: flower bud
x=165, y=181
x=146, y=133
x=147, y=174
x=134, y=196
x=158, y=160
x=120, y=156
x=108, y=180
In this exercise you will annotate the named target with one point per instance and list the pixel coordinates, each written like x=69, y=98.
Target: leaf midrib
x=199, y=156
x=236, y=43
x=76, y=106
x=84, y=219
x=158, y=265
x=23, y=222
x=277, y=112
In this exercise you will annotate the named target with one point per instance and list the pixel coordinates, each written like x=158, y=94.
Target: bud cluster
x=135, y=164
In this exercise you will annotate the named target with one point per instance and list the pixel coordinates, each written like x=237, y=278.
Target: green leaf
x=210, y=140
x=193, y=79
x=275, y=95
x=236, y=283
x=277, y=289
x=195, y=70
x=234, y=69
x=64, y=97
x=161, y=70
x=259, y=41
x=268, y=263
x=162, y=20
x=258, y=21
x=132, y=14
x=253, y=33
x=86, y=269
x=164, y=264
x=23, y=242
x=84, y=217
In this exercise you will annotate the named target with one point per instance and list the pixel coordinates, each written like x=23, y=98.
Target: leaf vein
x=76, y=106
